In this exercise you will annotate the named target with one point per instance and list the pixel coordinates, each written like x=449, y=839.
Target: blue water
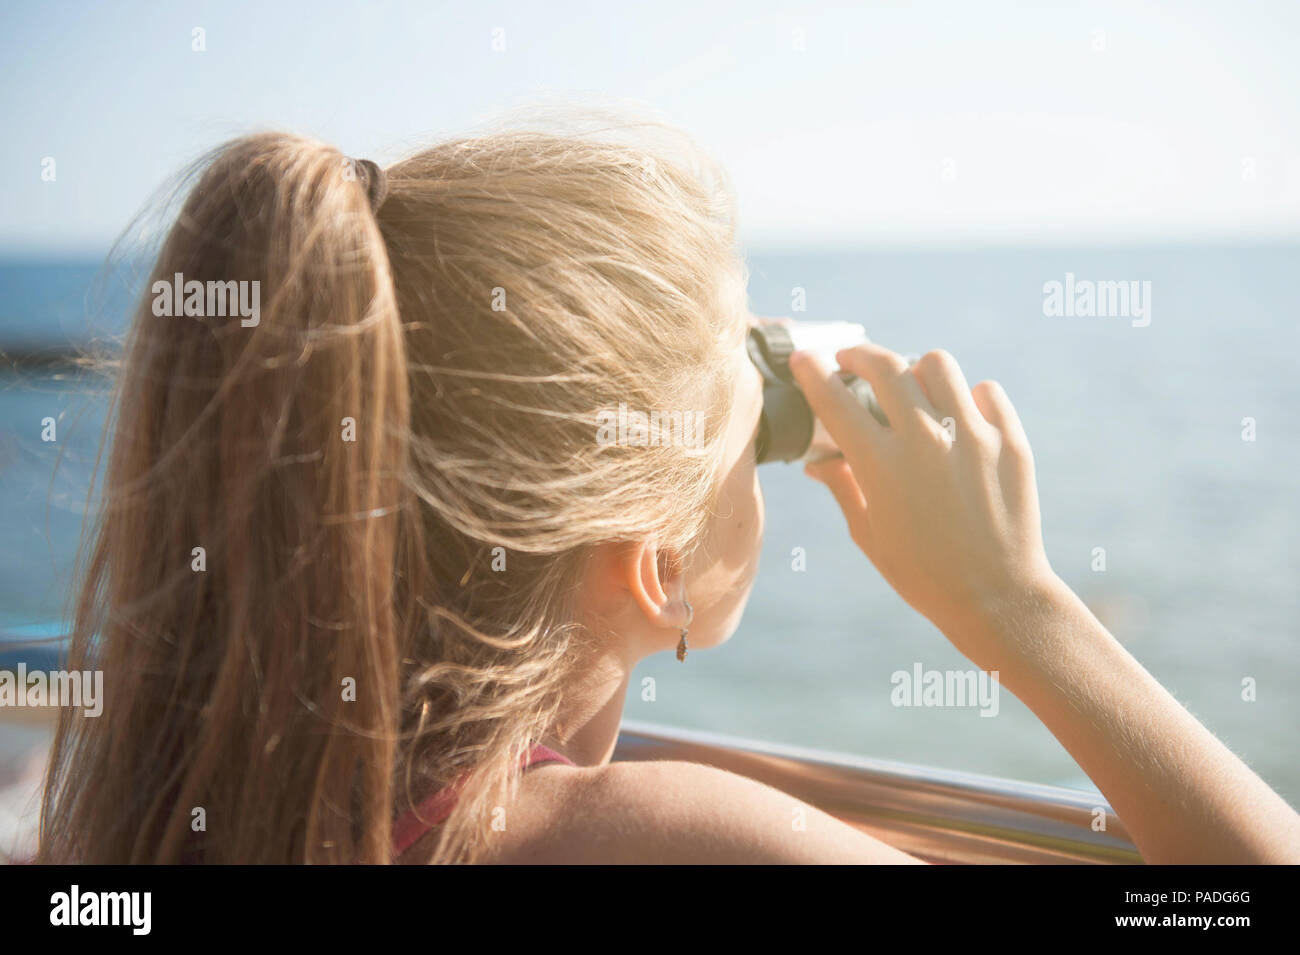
x=1137, y=434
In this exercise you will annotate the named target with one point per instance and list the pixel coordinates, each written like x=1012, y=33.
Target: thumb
x=836, y=474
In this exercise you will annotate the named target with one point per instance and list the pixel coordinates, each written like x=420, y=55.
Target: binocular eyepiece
x=788, y=430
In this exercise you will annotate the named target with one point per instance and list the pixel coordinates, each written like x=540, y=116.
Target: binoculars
x=788, y=430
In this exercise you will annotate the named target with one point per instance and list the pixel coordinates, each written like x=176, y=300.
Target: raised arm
x=949, y=515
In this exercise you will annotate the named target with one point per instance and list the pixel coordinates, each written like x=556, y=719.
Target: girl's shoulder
x=671, y=812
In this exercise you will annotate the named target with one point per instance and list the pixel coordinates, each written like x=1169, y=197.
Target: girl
x=365, y=573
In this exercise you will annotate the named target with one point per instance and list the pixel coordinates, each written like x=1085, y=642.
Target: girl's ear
x=655, y=579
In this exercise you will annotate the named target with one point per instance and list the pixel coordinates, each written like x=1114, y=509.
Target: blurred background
x=921, y=168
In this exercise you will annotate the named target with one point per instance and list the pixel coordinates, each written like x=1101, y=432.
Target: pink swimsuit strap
x=408, y=830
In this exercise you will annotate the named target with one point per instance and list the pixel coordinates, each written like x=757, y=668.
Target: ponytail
x=338, y=563
x=239, y=590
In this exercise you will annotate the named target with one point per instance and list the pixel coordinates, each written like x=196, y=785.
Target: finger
x=850, y=425
x=897, y=390
x=837, y=475
x=992, y=401
x=945, y=385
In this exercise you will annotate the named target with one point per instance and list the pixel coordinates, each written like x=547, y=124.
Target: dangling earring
x=681, y=644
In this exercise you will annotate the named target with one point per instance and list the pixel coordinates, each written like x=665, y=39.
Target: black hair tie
x=374, y=179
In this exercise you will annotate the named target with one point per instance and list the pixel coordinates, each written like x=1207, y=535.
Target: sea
x=1167, y=443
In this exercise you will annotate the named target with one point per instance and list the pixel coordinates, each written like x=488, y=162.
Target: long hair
x=335, y=562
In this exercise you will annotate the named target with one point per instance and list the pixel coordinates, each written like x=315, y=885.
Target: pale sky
x=897, y=124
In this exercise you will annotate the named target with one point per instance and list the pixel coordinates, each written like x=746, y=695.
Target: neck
x=586, y=726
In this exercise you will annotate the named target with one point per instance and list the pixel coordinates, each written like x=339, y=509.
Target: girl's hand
x=943, y=501
x=954, y=527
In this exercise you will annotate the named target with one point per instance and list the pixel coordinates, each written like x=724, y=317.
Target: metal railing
x=938, y=815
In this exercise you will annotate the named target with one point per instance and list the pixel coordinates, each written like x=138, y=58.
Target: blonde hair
x=511, y=289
